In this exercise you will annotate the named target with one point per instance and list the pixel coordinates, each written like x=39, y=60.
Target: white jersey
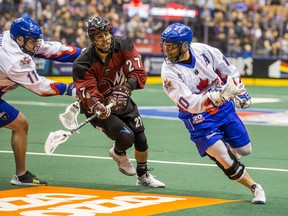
x=187, y=84
x=18, y=68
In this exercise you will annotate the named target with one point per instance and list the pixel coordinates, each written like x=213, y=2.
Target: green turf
x=168, y=141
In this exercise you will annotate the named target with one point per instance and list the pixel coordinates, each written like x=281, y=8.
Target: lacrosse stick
x=239, y=99
x=56, y=138
x=69, y=117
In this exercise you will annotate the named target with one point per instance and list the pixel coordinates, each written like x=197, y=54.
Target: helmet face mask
x=27, y=34
x=171, y=51
x=100, y=33
x=103, y=41
x=175, y=41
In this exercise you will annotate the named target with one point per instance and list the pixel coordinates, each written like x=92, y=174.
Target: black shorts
x=111, y=126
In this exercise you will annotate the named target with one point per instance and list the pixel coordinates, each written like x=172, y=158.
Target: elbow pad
x=132, y=83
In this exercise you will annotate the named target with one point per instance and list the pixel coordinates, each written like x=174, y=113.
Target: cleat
x=258, y=194
x=123, y=163
x=28, y=179
x=148, y=180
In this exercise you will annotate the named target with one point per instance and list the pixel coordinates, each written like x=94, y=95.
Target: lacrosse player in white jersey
x=206, y=88
x=18, y=46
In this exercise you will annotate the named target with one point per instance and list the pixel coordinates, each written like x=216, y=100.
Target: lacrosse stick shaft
x=239, y=99
x=89, y=119
x=56, y=138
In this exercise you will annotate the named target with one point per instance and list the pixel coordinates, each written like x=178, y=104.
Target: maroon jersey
x=94, y=79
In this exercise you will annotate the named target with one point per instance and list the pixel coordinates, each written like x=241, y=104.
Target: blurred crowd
x=238, y=28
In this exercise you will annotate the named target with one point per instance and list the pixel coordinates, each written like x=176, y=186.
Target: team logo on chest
x=203, y=84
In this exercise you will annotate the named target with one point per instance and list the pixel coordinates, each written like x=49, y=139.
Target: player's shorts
x=224, y=125
x=117, y=120
x=7, y=113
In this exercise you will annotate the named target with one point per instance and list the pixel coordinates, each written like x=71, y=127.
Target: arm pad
x=61, y=88
x=132, y=83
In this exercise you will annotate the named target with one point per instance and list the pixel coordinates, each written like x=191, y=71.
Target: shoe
x=258, y=194
x=27, y=179
x=149, y=181
x=123, y=163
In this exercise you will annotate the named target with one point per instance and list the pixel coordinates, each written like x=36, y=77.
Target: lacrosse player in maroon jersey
x=109, y=70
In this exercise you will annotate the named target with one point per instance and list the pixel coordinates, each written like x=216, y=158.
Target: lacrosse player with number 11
x=203, y=84
x=18, y=47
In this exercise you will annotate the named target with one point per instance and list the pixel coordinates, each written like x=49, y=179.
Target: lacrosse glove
x=102, y=111
x=229, y=92
x=244, y=96
x=120, y=95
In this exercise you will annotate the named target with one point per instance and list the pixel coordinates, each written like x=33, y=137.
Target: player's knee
x=125, y=140
x=21, y=123
x=141, y=142
x=235, y=171
x=245, y=150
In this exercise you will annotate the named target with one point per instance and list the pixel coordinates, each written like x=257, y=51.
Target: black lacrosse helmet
x=98, y=25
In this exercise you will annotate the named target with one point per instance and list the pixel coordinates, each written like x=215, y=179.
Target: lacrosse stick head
x=54, y=139
x=70, y=116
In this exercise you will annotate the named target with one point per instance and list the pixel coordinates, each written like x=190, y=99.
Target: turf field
x=194, y=185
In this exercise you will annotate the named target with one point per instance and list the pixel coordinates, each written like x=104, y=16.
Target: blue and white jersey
x=187, y=84
x=18, y=68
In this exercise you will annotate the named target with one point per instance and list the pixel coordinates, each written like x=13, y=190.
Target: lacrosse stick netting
x=70, y=116
x=56, y=138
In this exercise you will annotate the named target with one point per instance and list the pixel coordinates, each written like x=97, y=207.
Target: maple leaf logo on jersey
x=203, y=84
x=168, y=85
x=25, y=61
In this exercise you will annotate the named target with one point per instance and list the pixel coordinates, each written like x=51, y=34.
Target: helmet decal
x=177, y=32
x=97, y=25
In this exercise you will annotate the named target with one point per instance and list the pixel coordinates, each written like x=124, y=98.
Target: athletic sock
x=141, y=169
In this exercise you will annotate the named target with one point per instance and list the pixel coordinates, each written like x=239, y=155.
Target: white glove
x=229, y=92
x=245, y=97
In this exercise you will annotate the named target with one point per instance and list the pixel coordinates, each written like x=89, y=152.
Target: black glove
x=120, y=94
